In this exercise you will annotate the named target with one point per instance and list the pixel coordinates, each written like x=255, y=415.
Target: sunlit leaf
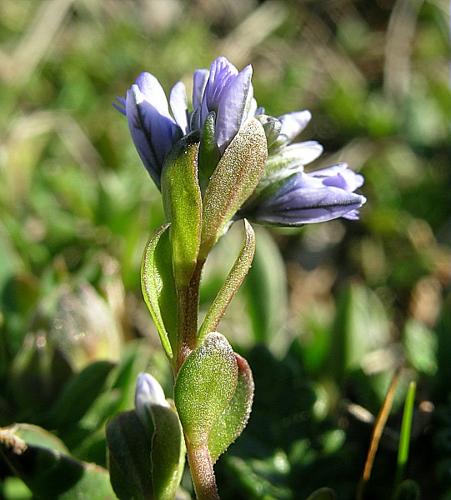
x=158, y=286
x=233, y=181
x=231, y=284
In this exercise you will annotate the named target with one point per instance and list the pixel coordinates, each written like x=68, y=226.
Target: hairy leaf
x=234, y=419
x=231, y=284
x=208, y=151
x=233, y=181
x=204, y=387
x=158, y=287
x=183, y=207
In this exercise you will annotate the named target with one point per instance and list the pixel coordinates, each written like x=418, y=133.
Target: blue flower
x=286, y=194
x=156, y=126
x=289, y=196
x=304, y=198
x=228, y=93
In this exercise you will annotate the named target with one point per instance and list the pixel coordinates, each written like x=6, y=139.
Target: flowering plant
x=222, y=160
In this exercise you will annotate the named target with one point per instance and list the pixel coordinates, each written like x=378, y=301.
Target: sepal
x=209, y=153
x=233, y=181
x=272, y=127
x=183, y=206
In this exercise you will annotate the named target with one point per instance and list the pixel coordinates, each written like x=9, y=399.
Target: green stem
x=199, y=459
x=202, y=472
x=187, y=312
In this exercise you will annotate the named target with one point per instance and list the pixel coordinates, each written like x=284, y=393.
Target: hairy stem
x=187, y=311
x=202, y=472
x=199, y=458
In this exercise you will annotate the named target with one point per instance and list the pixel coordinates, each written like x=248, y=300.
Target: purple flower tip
x=286, y=194
x=305, y=198
x=155, y=126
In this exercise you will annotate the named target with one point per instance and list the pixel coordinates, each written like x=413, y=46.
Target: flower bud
x=148, y=393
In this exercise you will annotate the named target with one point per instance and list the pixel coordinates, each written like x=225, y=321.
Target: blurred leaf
x=37, y=436
x=14, y=488
x=443, y=351
x=323, y=494
x=80, y=393
x=49, y=473
x=316, y=343
x=406, y=429
x=360, y=326
x=83, y=326
x=265, y=290
x=86, y=438
x=261, y=485
x=37, y=376
x=129, y=457
x=408, y=490
x=421, y=347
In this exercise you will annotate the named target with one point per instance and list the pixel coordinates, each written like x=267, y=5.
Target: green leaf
x=209, y=154
x=258, y=479
x=158, y=287
x=323, y=494
x=37, y=375
x=80, y=393
x=93, y=484
x=233, y=181
x=272, y=127
x=48, y=472
x=361, y=326
x=168, y=452
x=234, y=419
x=183, y=207
x=421, y=347
x=37, y=436
x=204, y=387
x=231, y=284
x=408, y=490
x=129, y=457
x=119, y=394
x=13, y=488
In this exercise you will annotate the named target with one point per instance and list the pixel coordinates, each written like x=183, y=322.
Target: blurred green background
x=327, y=312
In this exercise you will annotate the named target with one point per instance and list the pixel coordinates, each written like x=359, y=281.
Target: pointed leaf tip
x=233, y=181
x=183, y=207
x=231, y=284
x=158, y=286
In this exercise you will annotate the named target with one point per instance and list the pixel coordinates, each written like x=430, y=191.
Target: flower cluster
x=286, y=195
